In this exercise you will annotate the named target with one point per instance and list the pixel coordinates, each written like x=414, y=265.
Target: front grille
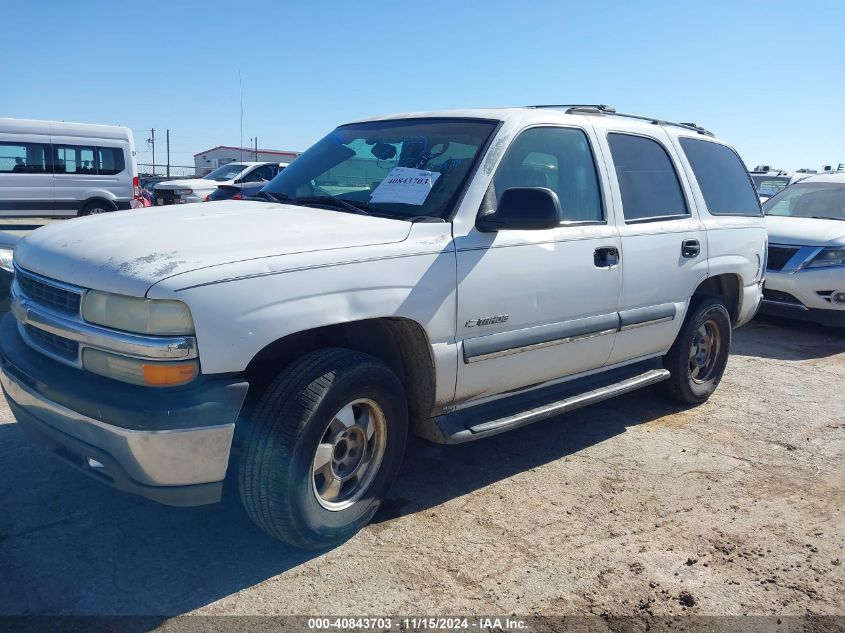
x=167, y=196
x=57, y=345
x=44, y=293
x=779, y=256
x=780, y=297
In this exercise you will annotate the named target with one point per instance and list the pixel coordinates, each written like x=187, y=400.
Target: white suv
x=458, y=274
x=805, y=277
x=197, y=189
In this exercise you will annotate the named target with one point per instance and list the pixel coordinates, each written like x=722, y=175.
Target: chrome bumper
x=149, y=458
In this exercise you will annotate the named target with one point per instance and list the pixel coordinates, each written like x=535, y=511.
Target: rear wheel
x=698, y=357
x=96, y=208
x=323, y=447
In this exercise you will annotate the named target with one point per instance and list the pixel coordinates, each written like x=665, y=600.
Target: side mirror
x=523, y=209
x=238, y=181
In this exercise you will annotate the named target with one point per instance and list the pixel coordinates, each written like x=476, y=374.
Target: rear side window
x=559, y=159
x=647, y=179
x=74, y=159
x=722, y=177
x=23, y=158
x=87, y=160
x=110, y=161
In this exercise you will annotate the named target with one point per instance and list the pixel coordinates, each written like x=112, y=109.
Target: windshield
x=769, y=185
x=226, y=172
x=809, y=200
x=404, y=168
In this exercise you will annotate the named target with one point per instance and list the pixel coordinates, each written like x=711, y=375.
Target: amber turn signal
x=161, y=375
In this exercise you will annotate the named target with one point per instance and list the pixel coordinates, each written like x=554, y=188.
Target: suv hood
x=127, y=252
x=805, y=231
x=190, y=183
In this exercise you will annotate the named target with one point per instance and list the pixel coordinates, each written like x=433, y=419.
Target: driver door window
x=559, y=159
x=265, y=173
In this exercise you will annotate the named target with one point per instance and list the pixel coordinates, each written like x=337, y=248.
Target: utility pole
x=256, y=149
x=152, y=142
x=241, y=88
x=168, y=152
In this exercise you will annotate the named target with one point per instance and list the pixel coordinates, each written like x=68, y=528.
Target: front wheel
x=323, y=447
x=697, y=358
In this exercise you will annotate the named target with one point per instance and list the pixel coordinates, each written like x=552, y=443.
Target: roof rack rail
x=607, y=110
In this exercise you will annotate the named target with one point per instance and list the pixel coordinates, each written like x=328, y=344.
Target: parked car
x=464, y=277
x=805, y=276
x=237, y=192
x=148, y=184
x=197, y=189
x=770, y=182
x=52, y=168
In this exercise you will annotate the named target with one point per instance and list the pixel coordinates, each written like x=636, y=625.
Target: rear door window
x=722, y=177
x=647, y=179
x=23, y=158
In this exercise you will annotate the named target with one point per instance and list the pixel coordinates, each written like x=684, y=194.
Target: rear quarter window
x=110, y=161
x=722, y=178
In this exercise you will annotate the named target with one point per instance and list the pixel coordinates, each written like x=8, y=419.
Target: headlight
x=7, y=260
x=132, y=314
x=137, y=371
x=184, y=192
x=832, y=256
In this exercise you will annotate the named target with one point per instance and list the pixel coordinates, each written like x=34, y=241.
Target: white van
x=52, y=168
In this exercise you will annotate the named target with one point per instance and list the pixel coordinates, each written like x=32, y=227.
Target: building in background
x=223, y=154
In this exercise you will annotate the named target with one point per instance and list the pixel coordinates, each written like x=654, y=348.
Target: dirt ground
x=630, y=507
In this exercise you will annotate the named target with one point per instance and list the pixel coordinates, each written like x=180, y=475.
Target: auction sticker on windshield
x=405, y=185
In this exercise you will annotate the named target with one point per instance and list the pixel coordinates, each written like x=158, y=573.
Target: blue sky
x=769, y=77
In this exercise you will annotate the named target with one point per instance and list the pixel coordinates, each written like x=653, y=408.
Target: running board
x=523, y=409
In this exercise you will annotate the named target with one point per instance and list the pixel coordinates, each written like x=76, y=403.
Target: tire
x=96, y=208
x=695, y=376
x=309, y=406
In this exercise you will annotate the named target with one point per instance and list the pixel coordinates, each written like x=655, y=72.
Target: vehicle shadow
x=433, y=474
x=785, y=339
x=76, y=547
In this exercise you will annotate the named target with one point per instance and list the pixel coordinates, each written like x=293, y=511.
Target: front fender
x=239, y=310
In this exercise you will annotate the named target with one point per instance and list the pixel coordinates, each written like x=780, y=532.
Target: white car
x=805, y=276
x=198, y=189
x=457, y=274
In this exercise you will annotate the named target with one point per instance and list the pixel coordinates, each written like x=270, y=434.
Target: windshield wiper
x=272, y=197
x=425, y=218
x=331, y=201
x=825, y=217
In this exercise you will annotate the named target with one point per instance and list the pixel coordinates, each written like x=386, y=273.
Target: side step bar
x=523, y=409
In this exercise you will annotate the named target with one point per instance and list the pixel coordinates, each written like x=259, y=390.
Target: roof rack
x=609, y=111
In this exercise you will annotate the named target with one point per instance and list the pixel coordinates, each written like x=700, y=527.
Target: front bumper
x=171, y=445
x=805, y=295
x=165, y=197
x=752, y=296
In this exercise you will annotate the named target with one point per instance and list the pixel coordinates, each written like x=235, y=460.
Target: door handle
x=606, y=257
x=690, y=249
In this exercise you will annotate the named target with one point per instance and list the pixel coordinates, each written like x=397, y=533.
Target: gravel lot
x=630, y=507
